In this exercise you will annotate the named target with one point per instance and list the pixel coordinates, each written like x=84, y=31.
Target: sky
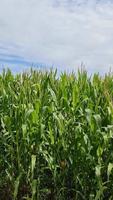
x=56, y=33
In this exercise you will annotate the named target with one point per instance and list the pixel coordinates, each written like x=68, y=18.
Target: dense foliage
x=56, y=136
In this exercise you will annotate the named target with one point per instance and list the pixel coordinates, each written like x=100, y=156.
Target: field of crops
x=56, y=136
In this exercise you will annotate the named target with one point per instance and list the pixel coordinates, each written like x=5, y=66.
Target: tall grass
x=56, y=136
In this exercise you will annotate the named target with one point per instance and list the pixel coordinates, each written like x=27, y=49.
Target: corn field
x=56, y=136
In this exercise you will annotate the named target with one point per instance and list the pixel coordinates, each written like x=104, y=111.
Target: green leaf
x=24, y=130
x=98, y=170
x=16, y=186
x=97, y=118
x=34, y=186
x=110, y=167
x=51, y=134
x=99, y=151
x=33, y=162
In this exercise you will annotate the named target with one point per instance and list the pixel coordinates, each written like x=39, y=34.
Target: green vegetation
x=56, y=136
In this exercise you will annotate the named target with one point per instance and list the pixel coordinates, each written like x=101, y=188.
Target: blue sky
x=59, y=33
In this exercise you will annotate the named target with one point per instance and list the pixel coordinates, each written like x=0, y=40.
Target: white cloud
x=63, y=33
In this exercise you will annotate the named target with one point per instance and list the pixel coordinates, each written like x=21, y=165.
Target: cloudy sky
x=58, y=33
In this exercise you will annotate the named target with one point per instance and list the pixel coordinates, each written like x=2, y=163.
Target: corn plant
x=56, y=136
